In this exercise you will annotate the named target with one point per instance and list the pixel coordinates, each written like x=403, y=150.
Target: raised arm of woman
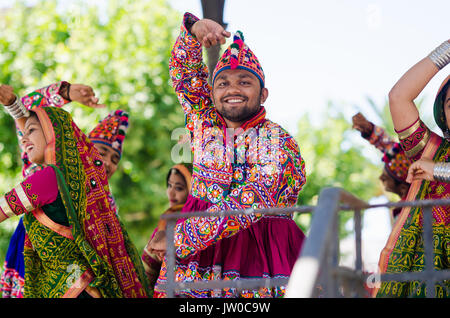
x=401, y=97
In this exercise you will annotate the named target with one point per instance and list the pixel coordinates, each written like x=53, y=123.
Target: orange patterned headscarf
x=186, y=174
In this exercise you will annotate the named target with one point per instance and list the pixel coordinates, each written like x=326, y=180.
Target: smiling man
x=241, y=160
x=236, y=96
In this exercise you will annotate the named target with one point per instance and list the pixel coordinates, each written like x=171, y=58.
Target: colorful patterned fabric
x=111, y=130
x=268, y=248
x=46, y=240
x=151, y=263
x=12, y=279
x=96, y=243
x=239, y=56
x=256, y=166
x=404, y=250
x=396, y=163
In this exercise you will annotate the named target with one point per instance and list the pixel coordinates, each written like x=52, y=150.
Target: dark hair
x=444, y=93
x=33, y=114
x=439, y=109
x=177, y=172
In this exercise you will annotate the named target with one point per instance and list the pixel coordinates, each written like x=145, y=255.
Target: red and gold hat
x=111, y=130
x=396, y=163
x=239, y=56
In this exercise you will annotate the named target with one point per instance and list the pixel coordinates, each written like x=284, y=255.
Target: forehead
x=176, y=178
x=32, y=120
x=236, y=73
x=105, y=148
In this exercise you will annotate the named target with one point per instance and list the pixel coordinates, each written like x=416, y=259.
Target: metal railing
x=318, y=262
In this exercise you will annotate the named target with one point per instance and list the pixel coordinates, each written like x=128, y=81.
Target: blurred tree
x=383, y=115
x=334, y=159
x=337, y=156
x=121, y=48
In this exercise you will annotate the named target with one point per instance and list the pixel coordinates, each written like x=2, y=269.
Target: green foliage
x=122, y=50
x=333, y=159
x=383, y=115
x=337, y=156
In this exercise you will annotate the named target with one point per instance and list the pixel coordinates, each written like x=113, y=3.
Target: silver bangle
x=440, y=56
x=441, y=172
x=17, y=109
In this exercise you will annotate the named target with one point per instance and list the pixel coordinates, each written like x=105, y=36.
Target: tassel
x=235, y=48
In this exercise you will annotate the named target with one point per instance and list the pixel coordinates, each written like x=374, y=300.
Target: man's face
x=110, y=158
x=237, y=96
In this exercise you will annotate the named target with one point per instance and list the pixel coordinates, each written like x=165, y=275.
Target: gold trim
x=6, y=208
x=23, y=198
x=80, y=285
x=417, y=148
x=407, y=132
x=46, y=221
x=49, y=134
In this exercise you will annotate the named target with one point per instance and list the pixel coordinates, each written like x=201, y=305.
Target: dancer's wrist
x=440, y=56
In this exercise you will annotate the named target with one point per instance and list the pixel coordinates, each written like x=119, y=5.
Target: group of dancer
x=70, y=241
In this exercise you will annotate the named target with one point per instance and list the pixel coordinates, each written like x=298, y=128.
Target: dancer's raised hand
x=85, y=95
x=209, y=33
x=7, y=96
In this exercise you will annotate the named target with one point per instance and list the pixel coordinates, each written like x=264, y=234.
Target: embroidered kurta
x=404, y=250
x=256, y=166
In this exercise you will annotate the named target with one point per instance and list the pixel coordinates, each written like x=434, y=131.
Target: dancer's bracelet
x=440, y=56
x=17, y=109
x=441, y=172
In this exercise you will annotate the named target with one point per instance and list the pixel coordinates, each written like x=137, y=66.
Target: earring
x=447, y=133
